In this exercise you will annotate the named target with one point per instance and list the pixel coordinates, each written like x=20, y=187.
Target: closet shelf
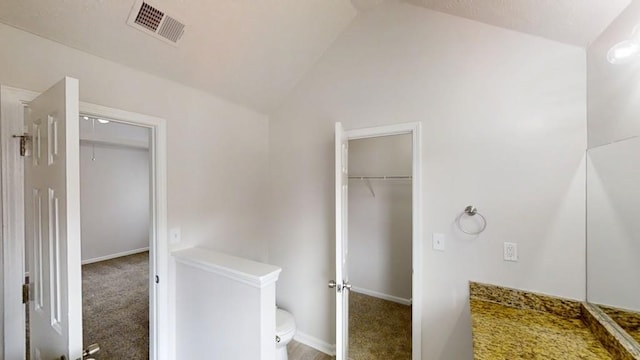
x=393, y=177
x=367, y=179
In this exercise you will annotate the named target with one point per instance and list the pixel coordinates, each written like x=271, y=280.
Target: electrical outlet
x=510, y=251
x=438, y=242
x=174, y=235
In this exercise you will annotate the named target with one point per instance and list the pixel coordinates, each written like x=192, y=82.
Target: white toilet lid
x=284, y=322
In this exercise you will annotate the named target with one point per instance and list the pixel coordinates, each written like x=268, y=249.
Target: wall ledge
x=246, y=271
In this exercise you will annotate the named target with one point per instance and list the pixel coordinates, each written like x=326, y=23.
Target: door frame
x=12, y=103
x=414, y=129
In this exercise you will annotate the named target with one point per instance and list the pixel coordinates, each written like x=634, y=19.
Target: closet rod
x=380, y=177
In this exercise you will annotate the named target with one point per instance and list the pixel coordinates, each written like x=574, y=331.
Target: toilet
x=285, y=329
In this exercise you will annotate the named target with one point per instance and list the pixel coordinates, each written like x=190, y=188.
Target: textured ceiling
x=576, y=22
x=253, y=52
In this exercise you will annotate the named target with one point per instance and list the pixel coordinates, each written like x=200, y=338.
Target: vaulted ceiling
x=253, y=52
x=576, y=22
x=248, y=51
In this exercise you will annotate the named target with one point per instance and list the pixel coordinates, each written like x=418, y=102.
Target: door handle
x=333, y=284
x=344, y=285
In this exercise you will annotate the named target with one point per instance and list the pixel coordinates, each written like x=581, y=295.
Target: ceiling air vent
x=148, y=18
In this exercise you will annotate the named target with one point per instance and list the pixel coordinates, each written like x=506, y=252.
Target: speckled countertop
x=502, y=332
x=511, y=324
x=627, y=319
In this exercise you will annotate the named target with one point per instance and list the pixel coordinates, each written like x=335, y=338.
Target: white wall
x=380, y=226
x=613, y=89
x=613, y=196
x=217, y=151
x=114, y=200
x=383, y=155
x=504, y=129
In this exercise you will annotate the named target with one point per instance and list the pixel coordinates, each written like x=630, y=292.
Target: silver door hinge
x=23, y=143
x=90, y=350
x=25, y=293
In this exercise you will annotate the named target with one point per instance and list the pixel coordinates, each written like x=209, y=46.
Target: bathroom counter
x=634, y=332
x=627, y=319
x=515, y=324
x=504, y=332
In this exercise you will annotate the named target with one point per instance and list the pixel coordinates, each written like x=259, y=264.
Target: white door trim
x=12, y=103
x=416, y=282
x=11, y=120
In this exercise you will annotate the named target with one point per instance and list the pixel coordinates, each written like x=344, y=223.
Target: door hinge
x=90, y=350
x=23, y=143
x=25, y=293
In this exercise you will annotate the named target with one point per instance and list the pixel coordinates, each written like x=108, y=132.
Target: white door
x=342, y=285
x=52, y=214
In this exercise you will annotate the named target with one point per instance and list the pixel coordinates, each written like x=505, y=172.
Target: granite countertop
x=514, y=324
x=505, y=332
x=627, y=319
x=634, y=332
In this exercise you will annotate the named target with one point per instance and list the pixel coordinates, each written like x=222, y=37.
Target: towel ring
x=471, y=211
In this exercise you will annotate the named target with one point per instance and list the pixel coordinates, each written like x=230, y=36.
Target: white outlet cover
x=438, y=242
x=174, y=235
x=510, y=251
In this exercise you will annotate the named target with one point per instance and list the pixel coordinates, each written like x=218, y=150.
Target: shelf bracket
x=370, y=187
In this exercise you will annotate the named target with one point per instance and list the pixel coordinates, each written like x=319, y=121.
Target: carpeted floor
x=115, y=310
x=378, y=329
x=115, y=307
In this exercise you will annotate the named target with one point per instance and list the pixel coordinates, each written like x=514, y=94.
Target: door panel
x=342, y=271
x=52, y=214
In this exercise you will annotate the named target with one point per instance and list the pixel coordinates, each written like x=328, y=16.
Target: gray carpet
x=378, y=329
x=115, y=307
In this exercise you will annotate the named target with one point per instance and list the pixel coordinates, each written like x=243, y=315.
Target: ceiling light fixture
x=103, y=121
x=625, y=51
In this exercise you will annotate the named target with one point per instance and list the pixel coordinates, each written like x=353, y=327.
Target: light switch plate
x=510, y=251
x=438, y=242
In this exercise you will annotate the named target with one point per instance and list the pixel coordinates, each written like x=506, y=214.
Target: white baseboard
x=382, y=296
x=113, y=256
x=315, y=343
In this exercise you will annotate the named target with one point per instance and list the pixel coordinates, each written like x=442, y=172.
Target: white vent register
x=150, y=19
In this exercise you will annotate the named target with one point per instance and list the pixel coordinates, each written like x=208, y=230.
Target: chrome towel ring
x=471, y=211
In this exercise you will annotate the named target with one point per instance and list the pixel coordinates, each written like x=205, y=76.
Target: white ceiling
x=248, y=51
x=576, y=22
x=253, y=52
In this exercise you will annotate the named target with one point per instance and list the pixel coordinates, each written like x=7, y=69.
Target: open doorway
x=387, y=273
x=380, y=241
x=14, y=103
x=116, y=235
x=115, y=208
